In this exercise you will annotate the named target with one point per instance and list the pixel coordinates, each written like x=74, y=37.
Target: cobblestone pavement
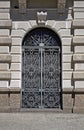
x=41, y=121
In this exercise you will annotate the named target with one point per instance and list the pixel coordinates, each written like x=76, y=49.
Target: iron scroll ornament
x=41, y=35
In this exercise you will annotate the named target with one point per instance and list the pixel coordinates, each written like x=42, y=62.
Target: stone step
x=5, y=41
x=5, y=58
x=5, y=24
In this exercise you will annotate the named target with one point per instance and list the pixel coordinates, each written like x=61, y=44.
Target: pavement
x=41, y=121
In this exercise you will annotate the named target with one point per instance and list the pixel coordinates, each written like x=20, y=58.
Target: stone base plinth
x=9, y=99
x=72, y=101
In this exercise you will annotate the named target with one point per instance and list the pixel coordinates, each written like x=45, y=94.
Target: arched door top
x=41, y=36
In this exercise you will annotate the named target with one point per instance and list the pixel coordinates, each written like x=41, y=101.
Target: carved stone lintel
x=41, y=17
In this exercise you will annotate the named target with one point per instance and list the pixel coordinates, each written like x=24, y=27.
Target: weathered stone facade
x=17, y=18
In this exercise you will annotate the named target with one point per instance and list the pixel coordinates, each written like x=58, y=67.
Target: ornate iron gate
x=41, y=75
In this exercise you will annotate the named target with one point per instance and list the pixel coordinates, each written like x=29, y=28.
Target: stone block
x=61, y=6
x=5, y=41
x=67, y=50
x=4, y=49
x=69, y=16
x=79, y=49
x=4, y=100
x=78, y=75
x=4, y=4
x=78, y=4
x=15, y=100
x=5, y=75
x=18, y=33
x=67, y=101
x=16, y=41
x=78, y=9
x=69, y=23
x=79, y=84
x=15, y=84
x=78, y=23
x=66, y=41
x=67, y=90
x=5, y=11
x=22, y=6
x=33, y=23
x=16, y=50
x=67, y=84
x=15, y=66
x=51, y=23
x=78, y=40
x=4, y=66
x=78, y=32
x=15, y=75
x=21, y=25
x=5, y=58
x=78, y=57
x=78, y=15
x=16, y=58
x=67, y=66
x=5, y=24
x=79, y=66
x=60, y=25
x=67, y=75
x=79, y=90
x=67, y=58
x=64, y=32
x=79, y=101
x=4, y=32
x=3, y=84
x=4, y=16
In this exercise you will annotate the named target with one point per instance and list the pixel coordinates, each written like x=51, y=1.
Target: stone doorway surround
x=71, y=33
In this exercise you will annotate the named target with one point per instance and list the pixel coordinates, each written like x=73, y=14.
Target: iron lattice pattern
x=41, y=35
x=41, y=73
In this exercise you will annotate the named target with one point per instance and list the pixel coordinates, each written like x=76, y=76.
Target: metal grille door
x=41, y=87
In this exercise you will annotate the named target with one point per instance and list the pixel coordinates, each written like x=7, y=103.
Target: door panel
x=31, y=78
x=41, y=77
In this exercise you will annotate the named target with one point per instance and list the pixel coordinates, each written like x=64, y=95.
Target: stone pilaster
x=5, y=57
x=78, y=57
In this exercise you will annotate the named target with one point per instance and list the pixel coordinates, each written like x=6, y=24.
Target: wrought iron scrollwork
x=41, y=70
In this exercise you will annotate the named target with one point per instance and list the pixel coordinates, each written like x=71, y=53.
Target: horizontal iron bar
x=38, y=47
x=27, y=91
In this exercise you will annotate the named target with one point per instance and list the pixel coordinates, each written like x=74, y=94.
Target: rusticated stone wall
x=68, y=23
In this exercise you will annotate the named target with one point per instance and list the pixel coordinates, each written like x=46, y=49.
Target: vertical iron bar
x=59, y=78
x=41, y=75
x=44, y=75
